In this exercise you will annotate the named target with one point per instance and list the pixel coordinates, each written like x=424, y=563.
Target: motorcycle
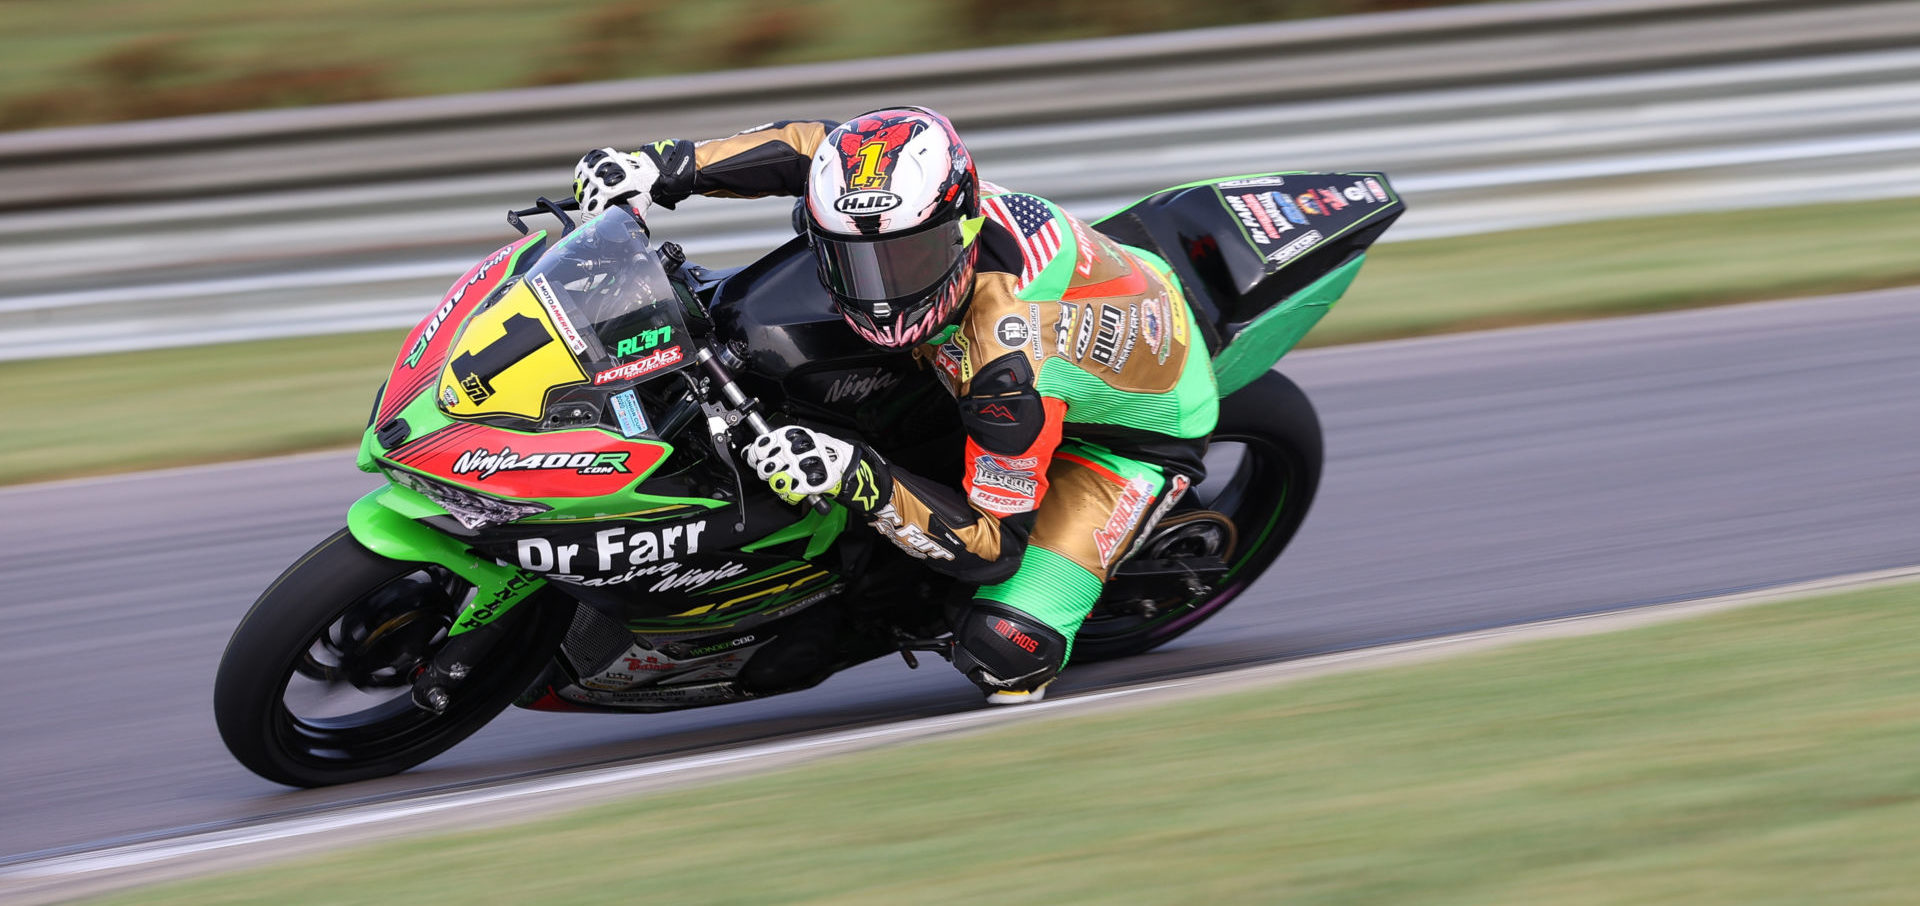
x=564, y=525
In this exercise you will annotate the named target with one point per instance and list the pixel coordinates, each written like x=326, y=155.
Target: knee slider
x=1000, y=648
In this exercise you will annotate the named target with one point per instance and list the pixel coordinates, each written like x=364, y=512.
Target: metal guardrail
x=1490, y=116
x=1042, y=83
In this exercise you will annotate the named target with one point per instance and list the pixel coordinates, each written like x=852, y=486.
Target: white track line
x=189, y=853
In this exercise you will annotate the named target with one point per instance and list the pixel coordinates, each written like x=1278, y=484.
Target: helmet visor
x=895, y=266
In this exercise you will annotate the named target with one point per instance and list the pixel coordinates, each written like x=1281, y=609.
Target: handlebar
x=545, y=205
x=737, y=398
x=722, y=378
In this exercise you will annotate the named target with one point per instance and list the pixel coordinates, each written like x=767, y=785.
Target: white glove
x=797, y=461
x=607, y=177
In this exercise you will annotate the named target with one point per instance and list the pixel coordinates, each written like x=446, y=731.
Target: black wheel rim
x=346, y=697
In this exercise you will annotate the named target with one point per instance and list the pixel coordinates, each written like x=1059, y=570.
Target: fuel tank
x=800, y=352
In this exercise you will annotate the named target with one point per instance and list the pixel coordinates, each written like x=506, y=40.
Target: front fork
x=385, y=522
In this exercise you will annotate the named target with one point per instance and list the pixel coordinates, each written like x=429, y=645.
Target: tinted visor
x=883, y=268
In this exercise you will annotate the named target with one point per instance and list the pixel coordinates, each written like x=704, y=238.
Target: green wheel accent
x=1050, y=588
x=1259, y=346
x=1191, y=410
x=383, y=523
x=1247, y=551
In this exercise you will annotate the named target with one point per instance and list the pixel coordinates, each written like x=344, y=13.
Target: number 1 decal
x=524, y=336
x=870, y=175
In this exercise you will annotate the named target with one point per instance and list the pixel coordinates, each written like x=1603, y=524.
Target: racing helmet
x=892, y=211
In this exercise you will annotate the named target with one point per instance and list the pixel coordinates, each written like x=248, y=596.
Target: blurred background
x=218, y=219
x=104, y=60
x=253, y=172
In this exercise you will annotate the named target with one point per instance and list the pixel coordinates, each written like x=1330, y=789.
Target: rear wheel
x=315, y=687
x=1263, y=467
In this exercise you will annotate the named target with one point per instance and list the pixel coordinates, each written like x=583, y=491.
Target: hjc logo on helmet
x=866, y=201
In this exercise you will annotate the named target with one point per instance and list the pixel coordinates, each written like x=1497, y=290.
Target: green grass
x=138, y=410
x=113, y=413
x=1759, y=756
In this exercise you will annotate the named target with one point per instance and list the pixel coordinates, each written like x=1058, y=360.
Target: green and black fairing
x=1262, y=256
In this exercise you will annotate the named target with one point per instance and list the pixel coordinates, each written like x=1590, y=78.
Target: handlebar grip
x=755, y=420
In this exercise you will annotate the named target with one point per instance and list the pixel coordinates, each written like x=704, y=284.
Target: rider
x=1084, y=387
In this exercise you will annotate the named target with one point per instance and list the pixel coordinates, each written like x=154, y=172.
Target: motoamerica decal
x=578, y=463
x=557, y=313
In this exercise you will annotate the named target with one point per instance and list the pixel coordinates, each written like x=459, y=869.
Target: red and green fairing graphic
x=425, y=351
x=581, y=463
x=566, y=470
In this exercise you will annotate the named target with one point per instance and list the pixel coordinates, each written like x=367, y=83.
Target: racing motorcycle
x=564, y=525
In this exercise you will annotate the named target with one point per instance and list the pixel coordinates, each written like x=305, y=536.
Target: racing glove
x=606, y=177
x=660, y=173
x=797, y=461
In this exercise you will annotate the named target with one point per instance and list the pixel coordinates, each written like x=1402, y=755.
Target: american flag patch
x=1033, y=225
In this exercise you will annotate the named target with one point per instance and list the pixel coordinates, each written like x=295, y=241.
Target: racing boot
x=1009, y=655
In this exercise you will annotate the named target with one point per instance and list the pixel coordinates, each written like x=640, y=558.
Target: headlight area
x=474, y=510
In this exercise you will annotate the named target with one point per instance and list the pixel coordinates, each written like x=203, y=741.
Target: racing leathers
x=1084, y=387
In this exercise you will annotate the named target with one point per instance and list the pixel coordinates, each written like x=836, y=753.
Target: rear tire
x=1266, y=497
x=357, y=625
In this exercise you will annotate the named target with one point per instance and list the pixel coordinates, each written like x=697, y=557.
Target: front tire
x=1263, y=465
x=315, y=687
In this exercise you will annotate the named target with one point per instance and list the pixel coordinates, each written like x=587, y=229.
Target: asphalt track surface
x=1471, y=481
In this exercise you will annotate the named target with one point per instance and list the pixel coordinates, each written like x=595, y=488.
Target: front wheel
x=1263, y=467
x=315, y=687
